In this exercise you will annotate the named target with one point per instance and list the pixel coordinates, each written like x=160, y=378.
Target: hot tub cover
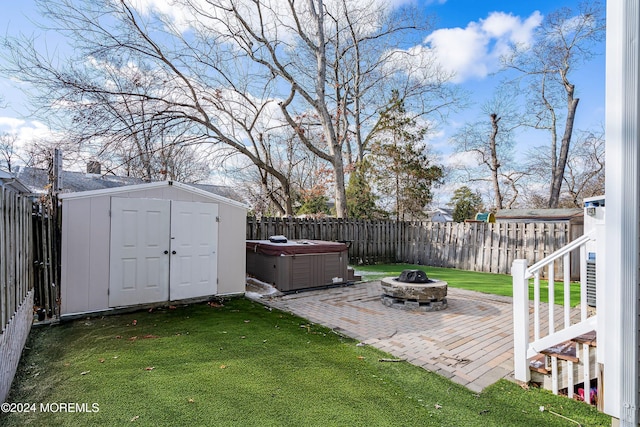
x=294, y=247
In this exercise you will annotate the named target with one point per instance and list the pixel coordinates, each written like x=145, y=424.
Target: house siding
x=232, y=249
x=621, y=323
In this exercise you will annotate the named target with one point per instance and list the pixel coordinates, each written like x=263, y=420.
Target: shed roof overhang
x=151, y=185
x=8, y=180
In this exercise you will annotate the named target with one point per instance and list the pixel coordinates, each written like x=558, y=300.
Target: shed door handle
x=173, y=252
x=166, y=252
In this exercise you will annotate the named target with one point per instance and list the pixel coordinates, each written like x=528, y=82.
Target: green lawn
x=242, y=364
x=498, y=284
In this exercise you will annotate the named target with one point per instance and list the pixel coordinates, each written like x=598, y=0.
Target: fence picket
x=16, y=262
x=469, y=246
x=3, y=279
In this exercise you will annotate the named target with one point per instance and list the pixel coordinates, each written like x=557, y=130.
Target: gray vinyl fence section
x=467, y=246
x=16, y=282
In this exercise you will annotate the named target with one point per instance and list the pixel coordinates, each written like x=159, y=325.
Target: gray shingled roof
x=556, y=214
x=37, y=180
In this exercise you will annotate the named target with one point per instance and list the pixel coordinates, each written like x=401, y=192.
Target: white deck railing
x=557, y=330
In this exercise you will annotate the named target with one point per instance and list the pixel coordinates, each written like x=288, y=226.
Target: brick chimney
x=93, y=167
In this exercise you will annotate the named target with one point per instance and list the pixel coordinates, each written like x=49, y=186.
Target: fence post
x=520, y=320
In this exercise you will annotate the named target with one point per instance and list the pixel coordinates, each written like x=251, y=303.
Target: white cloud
x=10, y=124
x=474, y=51
x=466, y=53
x=32, y=131
x=179, y=16
x=274, y=17
x=26, y=131
x=462, y=52
x=461, y=160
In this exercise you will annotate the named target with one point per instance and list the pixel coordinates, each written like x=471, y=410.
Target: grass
x=242, y=364
x=490, y=283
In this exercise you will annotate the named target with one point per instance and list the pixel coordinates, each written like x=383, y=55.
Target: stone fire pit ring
x=430, y=296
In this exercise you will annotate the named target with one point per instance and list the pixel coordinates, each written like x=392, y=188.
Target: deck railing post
x=520, y=320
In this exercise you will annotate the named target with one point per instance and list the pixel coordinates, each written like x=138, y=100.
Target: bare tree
x=368, y=67
x=188, y=87
x=563, y=42
x=286, y=153
x=242, y=70
x=7, y=149
x=325, y=70
x=585, y=169
x=512, y=187
x=127, y=134
x=491, y=142
x=584, y=176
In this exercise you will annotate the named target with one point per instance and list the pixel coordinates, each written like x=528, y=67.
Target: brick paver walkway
x=470, y=342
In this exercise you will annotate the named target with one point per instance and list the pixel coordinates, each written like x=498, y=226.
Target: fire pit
x=413, y=290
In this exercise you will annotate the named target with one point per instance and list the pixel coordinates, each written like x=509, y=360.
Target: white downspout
x=622, y=204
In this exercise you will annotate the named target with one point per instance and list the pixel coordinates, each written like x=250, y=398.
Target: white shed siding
x=86, y=227
x=232, y=250
x=85, y=255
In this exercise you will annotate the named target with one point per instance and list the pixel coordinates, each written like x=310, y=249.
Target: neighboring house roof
x=440, y=215
x=9, y=180
x=539, y=214
x=37, y=180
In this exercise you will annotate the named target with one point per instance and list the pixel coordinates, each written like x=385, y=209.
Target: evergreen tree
x=402, y=168
x=465, y=204
x=361, y=202
x=314, y=202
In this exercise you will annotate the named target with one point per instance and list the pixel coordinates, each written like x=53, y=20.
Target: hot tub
x=297, y=264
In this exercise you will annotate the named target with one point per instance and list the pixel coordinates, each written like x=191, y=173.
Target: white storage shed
x=149, y=244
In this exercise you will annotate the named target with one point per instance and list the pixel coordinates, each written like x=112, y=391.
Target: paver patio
x=470, y=342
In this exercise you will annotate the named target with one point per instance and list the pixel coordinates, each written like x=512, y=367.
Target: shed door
x=194, y=239
x=139, y=268
x=161, y=250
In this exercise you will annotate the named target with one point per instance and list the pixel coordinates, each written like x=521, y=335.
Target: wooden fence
x=16, y=281
x=468, y=246
x=16, y=252
x=371, y=242
x=481, y=246
x=46, y=246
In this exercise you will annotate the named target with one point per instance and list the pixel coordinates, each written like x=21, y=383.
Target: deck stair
x=555, y=344
x=352, y=276
x=567, y=365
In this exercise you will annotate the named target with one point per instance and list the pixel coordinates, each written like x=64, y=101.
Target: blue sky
x=465, y=15
x=465, y=30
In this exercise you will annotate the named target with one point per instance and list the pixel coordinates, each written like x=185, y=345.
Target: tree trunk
x=357, y=97
x=558, y=174
x=341, y=195
x=335, y=149
x=495, y=164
